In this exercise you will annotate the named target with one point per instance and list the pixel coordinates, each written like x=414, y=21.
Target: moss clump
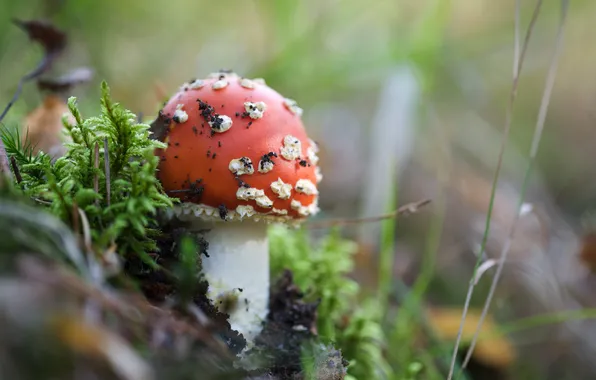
x=106, y=178
x=322, y=272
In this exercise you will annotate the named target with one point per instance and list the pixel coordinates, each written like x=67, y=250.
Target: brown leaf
x=52, y=39
x=493, y=348
x=67, y=81
x=588, y=251
x=43, y=126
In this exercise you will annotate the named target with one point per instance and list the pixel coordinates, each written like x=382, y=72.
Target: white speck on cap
x=255, y=110
x=283, y=190
x=311, y=152
x=189, y=211
x=296, y=205
x=240, y=166
x=265, y=166
x=264, y=201
x=247, y=83
x=219, y=84
x=311, y=209
x=305, y=186
x=292, y=106
x=318, y=174
x=221, y=123
x=180, y=116
x=196, y=84
x=291, y=148
x=249, y=193
x=245, y=211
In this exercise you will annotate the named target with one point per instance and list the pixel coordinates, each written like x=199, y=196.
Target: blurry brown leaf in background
x=52, y=39
x=493, y=349
x=42, y=128
x=588, y=251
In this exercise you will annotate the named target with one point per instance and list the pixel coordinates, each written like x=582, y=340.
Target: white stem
x=238, y=266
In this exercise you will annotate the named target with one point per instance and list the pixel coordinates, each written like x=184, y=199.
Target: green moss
x=322, y=271
x=107, y=172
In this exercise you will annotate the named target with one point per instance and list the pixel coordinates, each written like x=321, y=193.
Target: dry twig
x=106, y=158
x=407, y=209
x=15, y=169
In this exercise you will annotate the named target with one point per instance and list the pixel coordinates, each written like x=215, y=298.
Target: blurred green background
x=346, y=62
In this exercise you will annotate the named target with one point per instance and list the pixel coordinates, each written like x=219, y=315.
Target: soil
x=290, y=330
x=160, y=286
x=290, y=325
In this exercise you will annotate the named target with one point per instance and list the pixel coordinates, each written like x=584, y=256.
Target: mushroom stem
x=237, y=270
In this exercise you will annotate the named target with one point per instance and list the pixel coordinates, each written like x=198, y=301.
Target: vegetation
x=114, y=207
x=97, y=208
x=107, y=177
x=322, y=271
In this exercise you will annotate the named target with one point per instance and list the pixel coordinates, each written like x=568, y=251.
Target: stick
x=15, y=169
x=96, y=167
x=407, y=209
x=107, y=169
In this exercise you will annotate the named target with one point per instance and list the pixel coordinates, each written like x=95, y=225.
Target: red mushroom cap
x=237, y=149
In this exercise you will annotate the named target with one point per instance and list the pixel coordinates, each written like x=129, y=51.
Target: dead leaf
x=43, y=126
x=492, y=347
x=588, y=251
x=53, y=41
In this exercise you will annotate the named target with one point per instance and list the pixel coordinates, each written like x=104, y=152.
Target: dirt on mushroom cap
x=201, y=152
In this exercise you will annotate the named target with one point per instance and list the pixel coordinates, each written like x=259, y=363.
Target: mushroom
x=238, y=158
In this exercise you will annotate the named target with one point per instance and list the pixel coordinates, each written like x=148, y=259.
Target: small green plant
x=322, y=272
x=106, y=177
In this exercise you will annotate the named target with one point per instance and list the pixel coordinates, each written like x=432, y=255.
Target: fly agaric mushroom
x=238, y=157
